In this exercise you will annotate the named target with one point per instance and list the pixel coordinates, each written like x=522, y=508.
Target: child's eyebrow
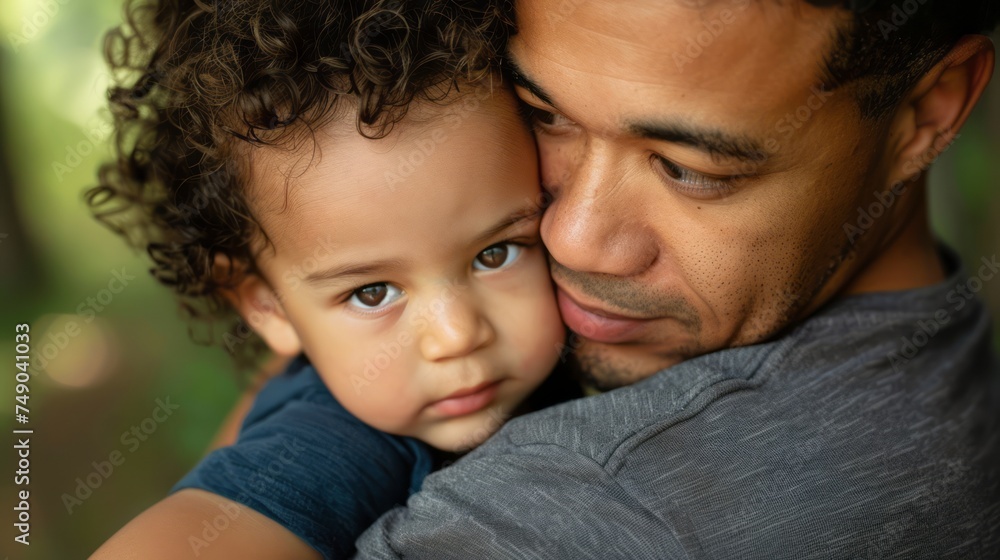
x=521, y=215
x=372, y=267
x=352, y=269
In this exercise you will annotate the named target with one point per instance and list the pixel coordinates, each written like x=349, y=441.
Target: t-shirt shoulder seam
x=612, y=477
x=724, y=387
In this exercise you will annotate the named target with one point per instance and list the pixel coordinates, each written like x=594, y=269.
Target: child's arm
x=303, y=469
x=181, y=526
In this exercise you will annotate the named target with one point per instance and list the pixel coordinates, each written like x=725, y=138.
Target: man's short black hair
x=890, y=44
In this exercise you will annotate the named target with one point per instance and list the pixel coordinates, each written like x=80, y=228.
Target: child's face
x=410, y=268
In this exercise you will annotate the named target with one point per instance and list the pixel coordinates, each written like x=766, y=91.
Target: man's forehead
x=701, y=42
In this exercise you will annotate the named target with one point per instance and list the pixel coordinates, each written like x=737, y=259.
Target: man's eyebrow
x=712, y=141
x=521, y=79
x=352, y=269
x=521, y=215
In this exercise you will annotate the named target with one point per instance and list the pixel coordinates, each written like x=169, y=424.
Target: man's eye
x=691, y=182
x=375, y=296
x=543, y=118
x=497, y=256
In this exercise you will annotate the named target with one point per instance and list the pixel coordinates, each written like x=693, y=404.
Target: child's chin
x=466, y=435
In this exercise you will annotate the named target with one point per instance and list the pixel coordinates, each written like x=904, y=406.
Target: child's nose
x=456, y=329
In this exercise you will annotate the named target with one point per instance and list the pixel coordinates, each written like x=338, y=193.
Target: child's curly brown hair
x=199, y=81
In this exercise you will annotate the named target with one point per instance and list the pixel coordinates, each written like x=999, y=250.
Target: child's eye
x=497, y=256
x=375, y=296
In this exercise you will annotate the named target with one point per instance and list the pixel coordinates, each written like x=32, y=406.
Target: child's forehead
x=336, y=149
x=432, y=162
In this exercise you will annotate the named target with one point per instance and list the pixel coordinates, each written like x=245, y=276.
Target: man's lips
x=596, y=324
x=466, y=401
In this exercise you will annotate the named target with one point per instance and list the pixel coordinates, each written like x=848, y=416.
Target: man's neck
x=909, y=261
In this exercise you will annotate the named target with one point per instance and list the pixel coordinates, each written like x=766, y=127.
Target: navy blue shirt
x=307, y=463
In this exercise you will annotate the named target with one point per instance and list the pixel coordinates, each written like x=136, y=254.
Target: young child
x=375, y=211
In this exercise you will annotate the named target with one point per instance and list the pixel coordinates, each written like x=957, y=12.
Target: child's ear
x=256, y=302
x=936, y=108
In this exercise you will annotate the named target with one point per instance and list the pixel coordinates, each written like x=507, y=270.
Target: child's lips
x=466, y=401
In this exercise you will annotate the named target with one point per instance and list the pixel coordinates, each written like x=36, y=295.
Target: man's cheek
x=727, y=281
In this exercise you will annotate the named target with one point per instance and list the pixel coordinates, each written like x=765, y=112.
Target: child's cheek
x=395, y=402
x=543, y=335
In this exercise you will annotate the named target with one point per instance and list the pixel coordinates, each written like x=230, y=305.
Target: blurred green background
x=54, y=257
x=107, y=377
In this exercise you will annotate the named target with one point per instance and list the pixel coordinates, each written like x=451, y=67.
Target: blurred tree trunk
x=991, y=230
x=993, y=132
x=19, y=267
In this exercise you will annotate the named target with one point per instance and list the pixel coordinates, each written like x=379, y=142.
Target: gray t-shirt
x=868, y=431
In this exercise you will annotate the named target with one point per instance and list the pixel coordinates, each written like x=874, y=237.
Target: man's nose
x=457, y=327
x=594, y=223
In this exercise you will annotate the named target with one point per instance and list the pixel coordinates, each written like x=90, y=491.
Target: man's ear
x=930, y=117
x=260, y=307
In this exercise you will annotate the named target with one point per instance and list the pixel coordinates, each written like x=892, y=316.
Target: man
x=738, y=231
x=792, y=367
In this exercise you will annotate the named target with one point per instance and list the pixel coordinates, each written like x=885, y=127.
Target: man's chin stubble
x=600, y=369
